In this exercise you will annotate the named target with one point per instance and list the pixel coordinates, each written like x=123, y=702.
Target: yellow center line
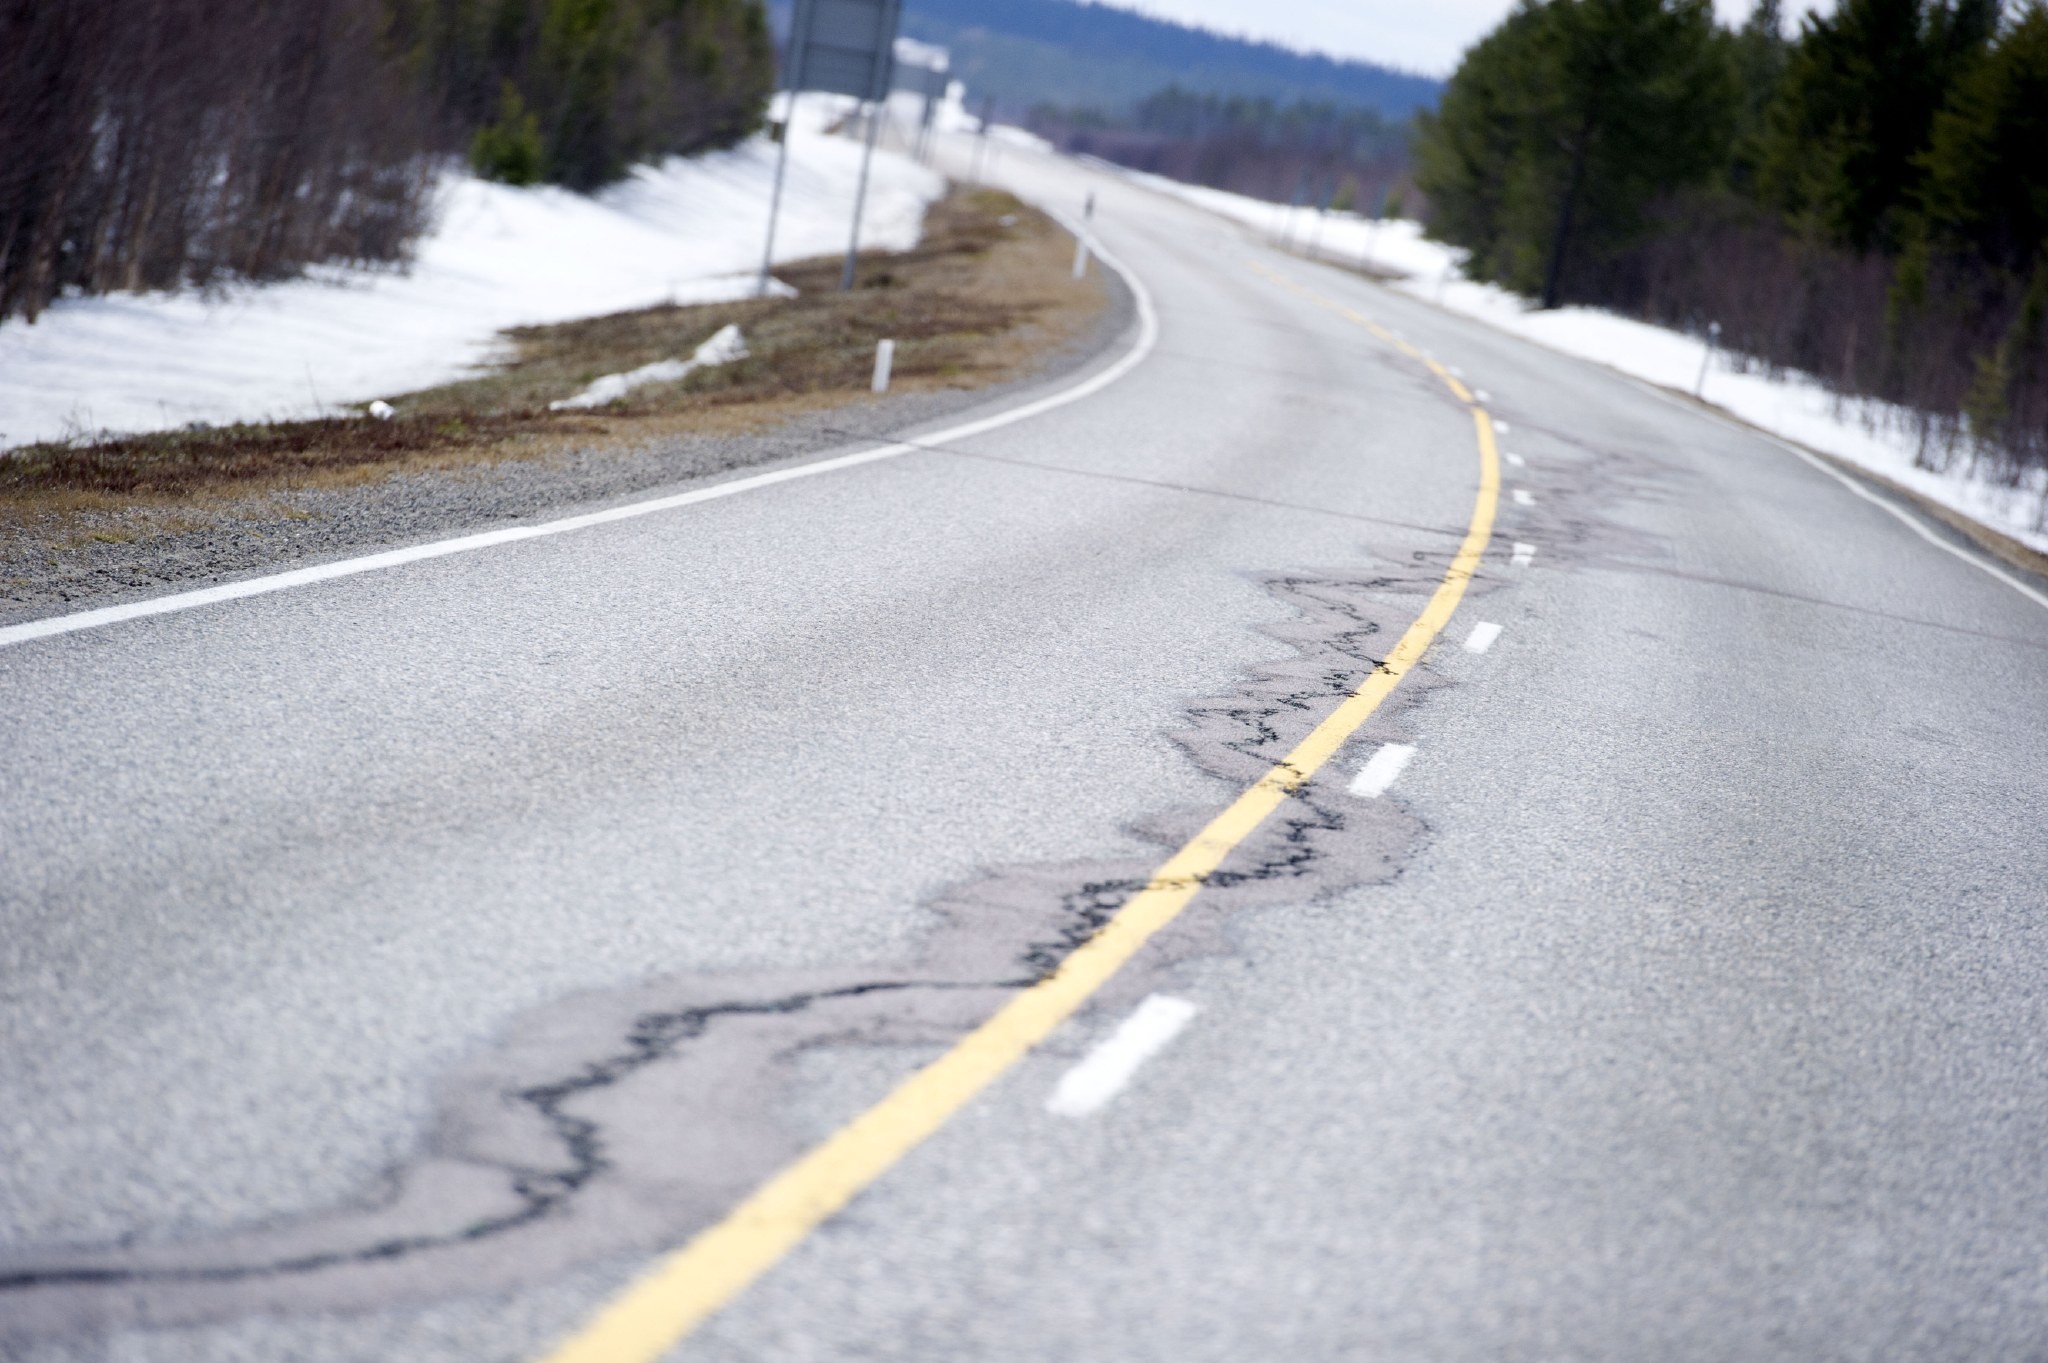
x=685, y=1287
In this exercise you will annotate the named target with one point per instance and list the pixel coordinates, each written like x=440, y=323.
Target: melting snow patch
x=725, y=346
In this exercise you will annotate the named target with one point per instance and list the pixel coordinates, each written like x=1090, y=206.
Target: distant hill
x=1028, y=53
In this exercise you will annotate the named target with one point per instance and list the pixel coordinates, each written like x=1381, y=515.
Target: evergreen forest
x=1864, y=199
x=155, y=143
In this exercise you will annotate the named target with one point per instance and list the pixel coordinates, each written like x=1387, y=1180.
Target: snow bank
x=1871, y=435
x=686, y=230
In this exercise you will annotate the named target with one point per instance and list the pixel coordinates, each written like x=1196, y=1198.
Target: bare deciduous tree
x=154, y=143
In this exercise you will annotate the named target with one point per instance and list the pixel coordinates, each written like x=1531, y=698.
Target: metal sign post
x=860, y=198
x=843, y=47
x=798, y=49
x=988, y=113
x=923, y=70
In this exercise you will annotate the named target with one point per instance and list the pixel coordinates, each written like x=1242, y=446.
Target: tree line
x=1865, y=200
x=1108, y=55
x=1307, y=152
x=149, y=144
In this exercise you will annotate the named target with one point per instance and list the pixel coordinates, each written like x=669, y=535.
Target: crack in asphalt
x=654, y=1037
x=1237, y=737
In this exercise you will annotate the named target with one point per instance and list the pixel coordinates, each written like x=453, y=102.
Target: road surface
x=398, y=966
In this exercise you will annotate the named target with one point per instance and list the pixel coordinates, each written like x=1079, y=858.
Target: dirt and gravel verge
x=983, y=306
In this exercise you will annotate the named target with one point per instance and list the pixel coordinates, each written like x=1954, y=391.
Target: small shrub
x=508, y=149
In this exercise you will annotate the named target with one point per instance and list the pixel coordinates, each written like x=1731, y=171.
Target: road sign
x=843, y=47
x=922, y=69
x=840, y=47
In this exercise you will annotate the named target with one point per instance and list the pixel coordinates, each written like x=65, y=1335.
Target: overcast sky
x=1420, y=35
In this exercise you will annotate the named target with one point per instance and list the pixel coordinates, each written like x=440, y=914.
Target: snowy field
x=687, y=230
x=1871, y=435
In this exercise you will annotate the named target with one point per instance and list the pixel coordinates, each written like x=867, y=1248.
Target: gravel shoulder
x=71, y=551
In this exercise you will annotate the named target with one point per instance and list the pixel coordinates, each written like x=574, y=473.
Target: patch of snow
x=725, y=346
x=685, y=231
x=1017, y=137
x=951, y=115
x=930, y=56
x=1878, y=437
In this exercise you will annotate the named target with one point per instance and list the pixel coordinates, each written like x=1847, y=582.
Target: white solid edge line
x=1482, y=636
x=1103, y=1072
x=1906, y=519
x=1380, y=770
x=1898, y=513
x=1148, y=338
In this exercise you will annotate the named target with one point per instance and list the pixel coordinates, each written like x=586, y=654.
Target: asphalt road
x=391, y=967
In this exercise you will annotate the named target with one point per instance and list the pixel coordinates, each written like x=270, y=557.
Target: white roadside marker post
x=885, y=360
x=1699, y=386
x=1080, y=255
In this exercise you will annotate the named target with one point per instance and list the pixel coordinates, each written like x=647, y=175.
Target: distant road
x=397, y=966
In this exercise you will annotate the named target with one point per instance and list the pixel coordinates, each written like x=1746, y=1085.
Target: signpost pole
x=860, y=197
x=800, y=39
x=988, y=111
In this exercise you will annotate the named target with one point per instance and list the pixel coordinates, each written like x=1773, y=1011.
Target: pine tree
x=1760, y=53
x=1984, y=201
x=1565, y=124
x=1857, y=103
x=1467, y=151
x=1985, y=189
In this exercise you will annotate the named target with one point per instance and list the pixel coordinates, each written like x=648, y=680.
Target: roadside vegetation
x=1865, y=201
x=985, y=298
x=152, y=144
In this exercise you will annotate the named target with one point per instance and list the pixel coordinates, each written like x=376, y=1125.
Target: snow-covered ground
x=1873, y=436
x=686, y=230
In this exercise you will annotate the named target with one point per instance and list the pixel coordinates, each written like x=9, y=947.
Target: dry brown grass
x=984, y=298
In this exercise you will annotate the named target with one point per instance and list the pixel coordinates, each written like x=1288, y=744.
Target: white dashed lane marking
x=1525, y=554
x=1380, y=770
x=1104, y=1071
x=1482, y=636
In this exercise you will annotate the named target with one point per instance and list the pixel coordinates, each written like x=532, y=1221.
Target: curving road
x=396, y=966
